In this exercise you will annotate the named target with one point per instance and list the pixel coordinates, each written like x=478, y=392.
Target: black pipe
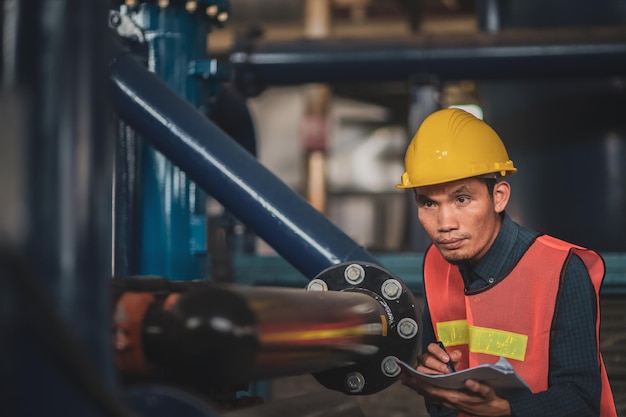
x=508, y=54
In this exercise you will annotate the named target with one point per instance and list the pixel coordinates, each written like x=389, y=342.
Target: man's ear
x=501, y=194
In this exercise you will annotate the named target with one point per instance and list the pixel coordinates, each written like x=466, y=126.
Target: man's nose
x=446, y=219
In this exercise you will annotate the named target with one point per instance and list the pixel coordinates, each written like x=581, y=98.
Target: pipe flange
x=402, y=320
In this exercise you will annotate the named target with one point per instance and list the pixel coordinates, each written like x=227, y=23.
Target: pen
x=450, y=364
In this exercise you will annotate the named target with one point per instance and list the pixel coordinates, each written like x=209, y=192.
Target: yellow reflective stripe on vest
x=482, y=339
x=453, y=333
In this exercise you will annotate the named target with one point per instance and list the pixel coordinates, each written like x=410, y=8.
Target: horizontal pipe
x=210, y=334
x=507, y=54
x=225, y=170
x=309, y=331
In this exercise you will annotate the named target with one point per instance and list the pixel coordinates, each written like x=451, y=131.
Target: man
x=494, y=288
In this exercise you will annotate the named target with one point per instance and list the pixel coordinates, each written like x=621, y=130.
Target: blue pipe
x=224, y=169
x=56, y=349
x=506, y=55
x=173, y=221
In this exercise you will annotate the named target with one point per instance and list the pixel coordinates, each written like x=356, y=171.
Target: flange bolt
x=354, y=274
x=317, y=285
x=391, y=289
x=390, y=366
x=407, y=328
x=355, y=382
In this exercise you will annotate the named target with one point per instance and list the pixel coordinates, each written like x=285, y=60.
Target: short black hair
x=490, y=183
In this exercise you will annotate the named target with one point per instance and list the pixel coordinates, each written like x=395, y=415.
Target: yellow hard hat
x=452, y=144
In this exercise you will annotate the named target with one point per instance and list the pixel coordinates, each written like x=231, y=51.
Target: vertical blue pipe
x=172, y=210
x=60, y=360
x=68, y=166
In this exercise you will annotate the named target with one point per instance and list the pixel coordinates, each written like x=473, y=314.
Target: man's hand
x=435, y=360
x=476, y=399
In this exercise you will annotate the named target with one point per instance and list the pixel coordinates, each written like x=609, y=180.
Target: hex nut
x=317, y=285
x=355, y=382
x=390, y=367
x=407, y=328
x=354, y=274
x=391, y=289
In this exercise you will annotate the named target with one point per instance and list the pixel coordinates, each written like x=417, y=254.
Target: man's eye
x=425, y=203
x=462, y=199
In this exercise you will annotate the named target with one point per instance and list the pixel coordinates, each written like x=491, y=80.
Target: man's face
x=461, y=218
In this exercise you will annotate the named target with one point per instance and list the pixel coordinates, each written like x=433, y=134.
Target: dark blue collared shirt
x=574, y=376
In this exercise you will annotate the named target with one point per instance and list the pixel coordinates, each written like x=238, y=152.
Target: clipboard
x=500, y=376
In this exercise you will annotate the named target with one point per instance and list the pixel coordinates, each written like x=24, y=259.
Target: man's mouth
x=450, y=244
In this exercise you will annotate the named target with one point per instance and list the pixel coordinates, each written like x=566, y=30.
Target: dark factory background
x=188, y=186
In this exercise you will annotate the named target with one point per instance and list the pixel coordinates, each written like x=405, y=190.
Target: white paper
x=500, y=376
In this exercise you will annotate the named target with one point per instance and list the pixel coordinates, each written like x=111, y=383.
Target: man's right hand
x=435, y=360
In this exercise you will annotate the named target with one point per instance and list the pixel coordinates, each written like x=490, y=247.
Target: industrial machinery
x=119, y=129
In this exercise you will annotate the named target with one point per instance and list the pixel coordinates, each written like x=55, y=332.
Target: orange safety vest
x=512, y=318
